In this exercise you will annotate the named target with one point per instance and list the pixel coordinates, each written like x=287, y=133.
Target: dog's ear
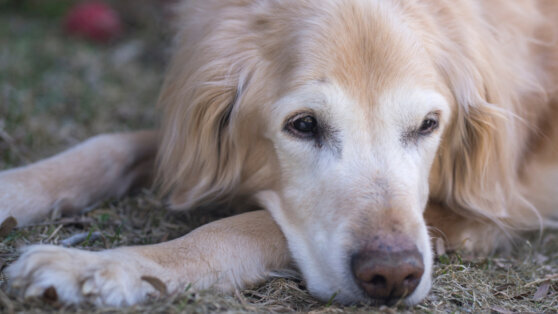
x=476, y=168
x=209, y=147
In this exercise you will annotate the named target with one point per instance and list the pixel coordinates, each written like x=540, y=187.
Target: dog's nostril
x=386, y=275
x=409, y=278
x=411, y=281
x=378, y=281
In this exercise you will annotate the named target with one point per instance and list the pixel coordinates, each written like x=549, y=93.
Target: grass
x=56, y=91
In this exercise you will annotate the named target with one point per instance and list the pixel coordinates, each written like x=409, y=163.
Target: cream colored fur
x=370, y=71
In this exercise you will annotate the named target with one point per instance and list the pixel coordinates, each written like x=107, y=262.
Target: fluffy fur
x=370, y=71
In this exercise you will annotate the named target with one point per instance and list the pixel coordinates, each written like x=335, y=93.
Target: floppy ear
x=475, y=172
x=208, y=150
x=472, y=171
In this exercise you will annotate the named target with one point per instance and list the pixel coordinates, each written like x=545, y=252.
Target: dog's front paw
x=106, y=278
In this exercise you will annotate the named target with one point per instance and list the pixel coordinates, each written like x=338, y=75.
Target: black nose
x=387, y=274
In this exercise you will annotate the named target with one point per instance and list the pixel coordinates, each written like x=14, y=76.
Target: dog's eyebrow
x=319, y=81
x=323, y=80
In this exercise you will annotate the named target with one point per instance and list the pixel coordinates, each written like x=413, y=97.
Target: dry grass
x=55, y=92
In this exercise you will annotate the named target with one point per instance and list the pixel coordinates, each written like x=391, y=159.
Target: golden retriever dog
x=354, y=124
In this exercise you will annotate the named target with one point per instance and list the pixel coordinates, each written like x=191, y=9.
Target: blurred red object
x=93, y=20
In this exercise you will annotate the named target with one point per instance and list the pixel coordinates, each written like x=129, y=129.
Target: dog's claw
x=50, y=294
x=88, y=288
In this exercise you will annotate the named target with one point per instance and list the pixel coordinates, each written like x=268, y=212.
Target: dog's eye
x=428, y=125
x=304, y=126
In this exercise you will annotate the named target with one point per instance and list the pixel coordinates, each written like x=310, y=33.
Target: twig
x=11, y=143
x=538, y=281
x=80, y=237
x=54, y=233
x=64, y=221
x=6, y=302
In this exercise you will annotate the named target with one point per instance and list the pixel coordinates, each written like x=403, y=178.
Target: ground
x=56, y=91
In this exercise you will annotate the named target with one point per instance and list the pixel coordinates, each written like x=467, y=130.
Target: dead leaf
x=521, y=296
x=504, y=287
x=502, y=263
x=7, y=226
x=540, y=259
x=542, y=291
x=165, y=237
x=500, y=310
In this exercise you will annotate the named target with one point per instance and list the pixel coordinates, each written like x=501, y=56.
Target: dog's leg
x=227, y=254
x=463, y=233
x=101, y=167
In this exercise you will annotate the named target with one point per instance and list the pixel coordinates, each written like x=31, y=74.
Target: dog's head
x=333, y=113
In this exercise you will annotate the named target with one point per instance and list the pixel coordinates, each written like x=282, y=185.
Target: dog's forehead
x=365, y=48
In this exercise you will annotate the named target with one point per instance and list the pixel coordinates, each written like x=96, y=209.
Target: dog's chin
x=350, y=294
x=421, y=291
x=346, y=294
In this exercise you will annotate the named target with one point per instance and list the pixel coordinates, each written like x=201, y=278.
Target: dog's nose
x=385, y=274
